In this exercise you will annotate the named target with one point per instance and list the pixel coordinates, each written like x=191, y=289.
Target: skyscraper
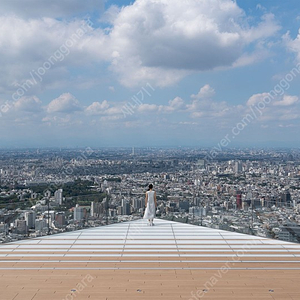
x=60, y=219
x=239, y=200
x=125, y=207
x=78, y=213
x=58, y=195
x=238, y=167
x=92, y=209
x=286, y=198
x=137, y=203
x=30, y=219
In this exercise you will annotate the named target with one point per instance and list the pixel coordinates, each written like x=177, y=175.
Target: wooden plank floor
x=134, y=261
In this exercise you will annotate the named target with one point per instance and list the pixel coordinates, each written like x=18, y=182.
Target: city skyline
x=150, y=73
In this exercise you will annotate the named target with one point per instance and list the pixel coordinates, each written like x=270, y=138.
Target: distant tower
x=125, y=207
x=248, y=200
x=30, y=219
x=239, y=200
x=60, y=219
x=286, y=198
x=78, y=213
x=92, y=209
x=132, y=153
x=238, y=168
x=58, y=196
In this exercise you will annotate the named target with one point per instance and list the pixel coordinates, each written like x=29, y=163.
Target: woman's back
x=150, y=197
x=150, y=202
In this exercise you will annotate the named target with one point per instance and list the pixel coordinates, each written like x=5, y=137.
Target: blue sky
x=149, y=73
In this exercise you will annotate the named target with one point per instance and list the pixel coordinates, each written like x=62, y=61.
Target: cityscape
x=149, y=149
x=48, y=191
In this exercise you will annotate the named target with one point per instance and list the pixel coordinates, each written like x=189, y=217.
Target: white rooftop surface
x=131, y=260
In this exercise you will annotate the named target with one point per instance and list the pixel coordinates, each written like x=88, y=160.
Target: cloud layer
x=162, y=41
x=148, y=41
x=66, y=65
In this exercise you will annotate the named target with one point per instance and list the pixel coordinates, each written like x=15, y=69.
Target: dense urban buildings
x=253, y=191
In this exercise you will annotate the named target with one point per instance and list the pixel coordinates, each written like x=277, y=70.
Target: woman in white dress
x=150, y=203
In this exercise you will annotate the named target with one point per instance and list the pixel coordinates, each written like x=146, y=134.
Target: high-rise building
x=78, y=213
x=40, y=224
x=166, y=177
x=30, y=219
x=92, y=214
x=197, y=201
x=197, y=211
x=58, y=196
x=247, y=201
x=136, y=203
x=238, y=167
x=119, y=210
x=286, y=198
x=185, y=205
x=21, y=226
x=60, y=219
x=238, y=200
x=125, y=207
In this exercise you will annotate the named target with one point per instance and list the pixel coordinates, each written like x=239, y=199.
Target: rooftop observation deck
x=134, y=261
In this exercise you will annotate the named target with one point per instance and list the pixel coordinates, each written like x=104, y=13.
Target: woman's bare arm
x=155, y=199
x=146, y=199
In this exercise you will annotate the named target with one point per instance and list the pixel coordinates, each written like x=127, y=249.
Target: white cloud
x=293, y=44
x=266, y=28
x=41, y=51
x=267, y=100
x=159, y=42
x=257, y=98
x=174, y=105
x=282, y=107
x=287, y=101
x=65, y=103
x=162, y=41
x=204, y=107
x=260, y=7
x=205, y=92
x=28, y=104
x=110, y=14
x=97, y=108
x=245, y=59
x=177, y=103
x=208, y=108
x=147, y=108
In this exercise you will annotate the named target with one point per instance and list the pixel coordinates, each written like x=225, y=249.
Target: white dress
x=150, y=209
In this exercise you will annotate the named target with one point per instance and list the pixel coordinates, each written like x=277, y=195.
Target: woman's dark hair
x=150, y=186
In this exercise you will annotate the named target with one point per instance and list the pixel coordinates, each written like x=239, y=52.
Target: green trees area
x=10, y=202
x=79, y=192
